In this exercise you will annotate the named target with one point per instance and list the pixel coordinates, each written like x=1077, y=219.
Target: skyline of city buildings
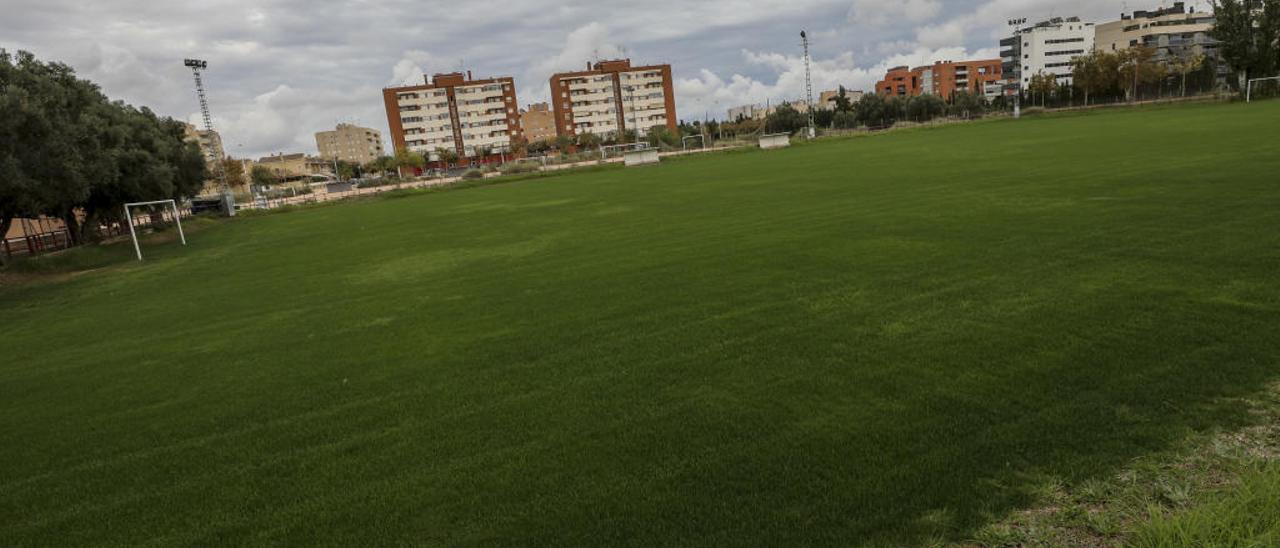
x=455, y=112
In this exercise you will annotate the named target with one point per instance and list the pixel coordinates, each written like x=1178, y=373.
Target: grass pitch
x=881, y=340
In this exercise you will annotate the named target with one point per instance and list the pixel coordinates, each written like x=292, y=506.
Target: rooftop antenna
x=197, y=65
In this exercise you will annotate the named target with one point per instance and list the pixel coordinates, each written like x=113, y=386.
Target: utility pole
x=196, y=65
x=808, y=83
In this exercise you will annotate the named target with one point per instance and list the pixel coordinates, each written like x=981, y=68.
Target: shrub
x=473, y=174
x=519, y=167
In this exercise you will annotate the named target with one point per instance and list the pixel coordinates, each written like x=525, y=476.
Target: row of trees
x=66, y=151
x=872, y=111
x=1125, y=73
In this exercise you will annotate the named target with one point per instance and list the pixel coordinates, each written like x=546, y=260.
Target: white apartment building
x=1050, y=46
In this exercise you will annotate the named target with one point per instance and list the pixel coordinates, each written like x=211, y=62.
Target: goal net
x=166, y=206
x=1262, y=88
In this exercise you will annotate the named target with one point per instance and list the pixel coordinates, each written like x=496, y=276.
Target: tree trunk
x=6, y=221
x=75, y=234
x=91, y=224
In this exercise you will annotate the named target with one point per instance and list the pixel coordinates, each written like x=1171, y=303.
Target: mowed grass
x=875, y=340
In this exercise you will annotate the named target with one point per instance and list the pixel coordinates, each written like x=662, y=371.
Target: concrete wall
x=775, y=141
x=640, y=157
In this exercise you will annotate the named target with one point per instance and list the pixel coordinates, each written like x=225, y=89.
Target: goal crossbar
x=128, y=215
x=1248, y=94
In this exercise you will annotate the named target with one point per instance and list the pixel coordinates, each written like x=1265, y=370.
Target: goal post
x=133, y=234
x=610, y=151
x=1248, y=94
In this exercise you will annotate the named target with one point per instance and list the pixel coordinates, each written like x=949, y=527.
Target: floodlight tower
x=196, y=65
x=1017, y=35
x=808, y=83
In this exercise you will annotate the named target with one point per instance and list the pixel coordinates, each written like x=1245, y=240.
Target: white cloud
x=583, y=45
x=879, y=12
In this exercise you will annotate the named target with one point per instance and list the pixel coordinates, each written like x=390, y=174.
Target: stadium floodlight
x=808, y=84
x=1017, y=97
x=197, y=65
x=1248, y=94
x=128, y=215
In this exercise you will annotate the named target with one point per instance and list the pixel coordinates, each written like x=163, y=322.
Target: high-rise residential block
x=475, y=119
x=612, y=96
x=350, y=143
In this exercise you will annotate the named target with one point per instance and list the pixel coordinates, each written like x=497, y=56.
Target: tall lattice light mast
x=808, y=83
x=196, y=65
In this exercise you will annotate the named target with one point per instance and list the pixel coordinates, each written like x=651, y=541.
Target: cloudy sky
x=280, y=70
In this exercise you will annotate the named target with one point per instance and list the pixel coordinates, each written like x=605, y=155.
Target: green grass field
x=883, y=340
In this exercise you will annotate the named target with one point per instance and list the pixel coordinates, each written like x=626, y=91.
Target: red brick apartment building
x=452, y=111
x=611, y=96
x=943, y=79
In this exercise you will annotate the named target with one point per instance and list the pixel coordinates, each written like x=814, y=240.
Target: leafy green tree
x=1186, y=65
x=446, y=156
x=895, y=108
x=70, y=153
x=843, y=104
x=823, y=117
x=844, y=120
x=1043, y=84
x=1096, y=74
x=785, y=119
x=923, y=108
x=661, y=137
x=1248, y=32
x=967, y=104
x=541, y=146
x=234, y=171
x=262, y=176
x=870, y=110
x=382, y=165
x=1138, y=67
x=591, y=140
x=53, y=123
x=563, y=142
x=347, y=170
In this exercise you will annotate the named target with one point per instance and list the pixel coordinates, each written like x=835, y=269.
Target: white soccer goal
x=1248, y=94
x=611, y=151
x=128, y=215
